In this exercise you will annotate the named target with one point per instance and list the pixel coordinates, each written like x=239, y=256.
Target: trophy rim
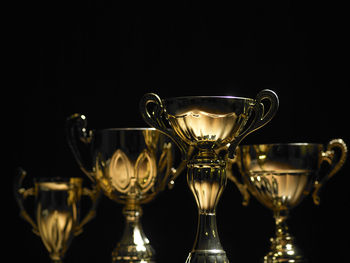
x=57, y=179
x=129, y=129
x=58, y=183
x=206, y=97
x=284, y=144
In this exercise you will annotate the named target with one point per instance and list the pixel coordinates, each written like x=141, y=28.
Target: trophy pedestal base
x=284, y=250
x=134, y=246
x=207, y=256
x=133, y=254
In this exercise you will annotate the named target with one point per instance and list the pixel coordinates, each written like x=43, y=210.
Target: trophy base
x=282, y=259
x=284, y=250
x=131, y=260
x=133, y=254
x=207, y=256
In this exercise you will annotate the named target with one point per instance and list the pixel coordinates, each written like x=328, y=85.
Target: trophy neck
x=283, y=246
x=132, y=212
x=134, y=243
x=204, y=156
x=281, y=217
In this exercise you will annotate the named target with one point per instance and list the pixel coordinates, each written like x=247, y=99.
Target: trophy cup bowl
x=202, y=126
x=131, y=165
x=280, y=176
x=57, y=205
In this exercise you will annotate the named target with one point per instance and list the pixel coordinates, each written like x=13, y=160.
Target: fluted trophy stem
x=134, y=246
x=206, y=178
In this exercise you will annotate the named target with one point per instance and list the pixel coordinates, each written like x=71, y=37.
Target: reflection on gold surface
x=207, y=185
x=56, y=229
x=200, y=127
x=131, y=177
x=279, y=189
x=138, y=177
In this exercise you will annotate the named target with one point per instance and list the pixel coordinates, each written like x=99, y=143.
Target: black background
x=99, y=57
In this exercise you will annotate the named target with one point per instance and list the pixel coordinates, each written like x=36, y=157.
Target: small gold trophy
x=280, y=176
x=131, y=165
x=57, y=210
x=202, y=126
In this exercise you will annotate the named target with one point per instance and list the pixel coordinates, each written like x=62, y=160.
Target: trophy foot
x=284, y=250
x=133, y=254
x=207, y=256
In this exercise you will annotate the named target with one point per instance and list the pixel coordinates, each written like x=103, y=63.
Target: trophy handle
x=165, y=163
x=242, y=187
x=261, y=118
x=156, y=117
x=94, y=195
x=328, y=156
x=76, y=125
x=21, y=194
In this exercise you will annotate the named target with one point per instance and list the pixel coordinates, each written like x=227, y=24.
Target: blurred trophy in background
x=280, y=176
x=131, y=165
x=57, y=205
x=202, y=126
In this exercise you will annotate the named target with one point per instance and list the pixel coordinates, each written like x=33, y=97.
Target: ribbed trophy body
x=57, y=207
x=131, y=165
x=201, y=126
x=279, y=176
x=57, y=215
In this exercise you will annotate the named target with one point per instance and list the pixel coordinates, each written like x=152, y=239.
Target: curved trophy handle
x=21, y=194
x=76, y=125
x=261, y=118
x=165, y=162
x=328, y=156
x=242, y=187
x=155, y=118
x=94, y=195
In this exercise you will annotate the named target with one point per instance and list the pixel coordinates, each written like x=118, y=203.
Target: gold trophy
x=57, y=202
x=202, y=126
x=131, y=165
x=280, y=176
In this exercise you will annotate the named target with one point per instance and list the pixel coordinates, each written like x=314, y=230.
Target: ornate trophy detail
x=57, y=210
x=131, y=165
x=202, y=126
x=280, y=176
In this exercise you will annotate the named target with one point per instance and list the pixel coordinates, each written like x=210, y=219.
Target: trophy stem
x=134, y=246
x=283, y=247
x=206, y=178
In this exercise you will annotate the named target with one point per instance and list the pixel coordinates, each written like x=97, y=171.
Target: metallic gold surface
x=280, y=176
x=57, y=211
x=132, y=166
x=200, y=126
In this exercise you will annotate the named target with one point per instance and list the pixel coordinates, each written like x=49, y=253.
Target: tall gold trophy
x=131, y=165
x=280, y=176
x=57, y=202
x=200, y=126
